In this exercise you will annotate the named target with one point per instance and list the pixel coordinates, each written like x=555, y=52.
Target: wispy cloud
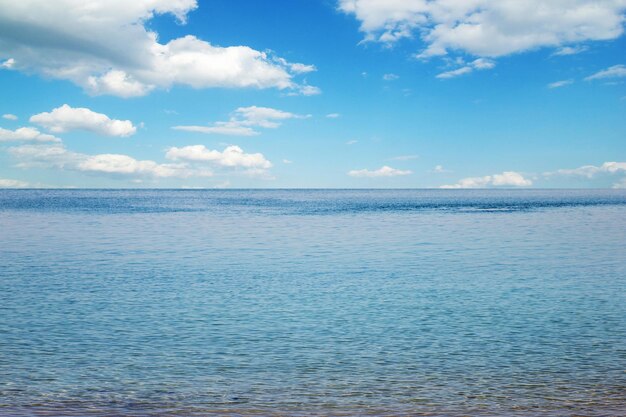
x=570, y=50
x=439, y=169
x=591, y=171
x=404, y=158
x=477, y=64
x=559, y=84
x=616, y=71
x=244, y=120
x=9, y=183
x=385, y=171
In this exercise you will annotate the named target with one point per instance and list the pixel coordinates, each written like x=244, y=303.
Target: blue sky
x=313, y=93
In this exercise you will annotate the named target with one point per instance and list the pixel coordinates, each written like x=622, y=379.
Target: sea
x=312, y=303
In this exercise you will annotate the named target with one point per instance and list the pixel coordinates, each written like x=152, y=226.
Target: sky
x=313, y=94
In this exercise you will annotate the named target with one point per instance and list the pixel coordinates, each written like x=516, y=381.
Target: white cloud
x=390, y=77
x=7, y=183
x=126, y=165
x=384, y=171
x=66, y=118
x=191, y=161
x=352, y=142
x=58, y=156
x=439, y=169
x=287, y=161
x=232, y=156
x=333, y=115
x=590, y=171
x=243, y=121
x=26, y=134
x=558, y=84
x=8, y=64
x=616, y=71
x=488, y=28
x=477, y=64
x=505, y=179
x=570, y=50
x=220, y=128
x=116, y=83
x=297, y=67
x=9, y=116
x=263, y=116
x=47, y=156
x=305, y=90
x=482, y=64
x=455, y=73
x=105, y=47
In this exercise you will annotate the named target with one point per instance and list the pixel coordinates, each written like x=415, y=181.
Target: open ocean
x=312, y=303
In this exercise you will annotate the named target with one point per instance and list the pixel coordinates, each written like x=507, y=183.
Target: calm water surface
x=312, y=303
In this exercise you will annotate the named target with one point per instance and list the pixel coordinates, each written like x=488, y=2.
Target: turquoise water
x=312, y=303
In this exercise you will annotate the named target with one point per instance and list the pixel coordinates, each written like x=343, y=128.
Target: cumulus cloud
x=505, y=179
x=385, y=171
x=46, y=156
x=116, y=83
x=232, y=156
x=66, y=118
x=487, y=28
x=390, y=77
x=616, y=71
x=333, y=115
x=105, y=47
x=7, y=183
x=477, y=64
x=244, y=120
x=23, y=134
x=58, y=156
x=189, y=161
x=558, y=84
x=126, y=165
x=9, y=116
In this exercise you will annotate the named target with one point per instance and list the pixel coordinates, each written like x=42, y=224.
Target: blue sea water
x=312, y=303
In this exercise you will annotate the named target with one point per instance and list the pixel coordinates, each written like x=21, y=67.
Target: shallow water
x=312, y=302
